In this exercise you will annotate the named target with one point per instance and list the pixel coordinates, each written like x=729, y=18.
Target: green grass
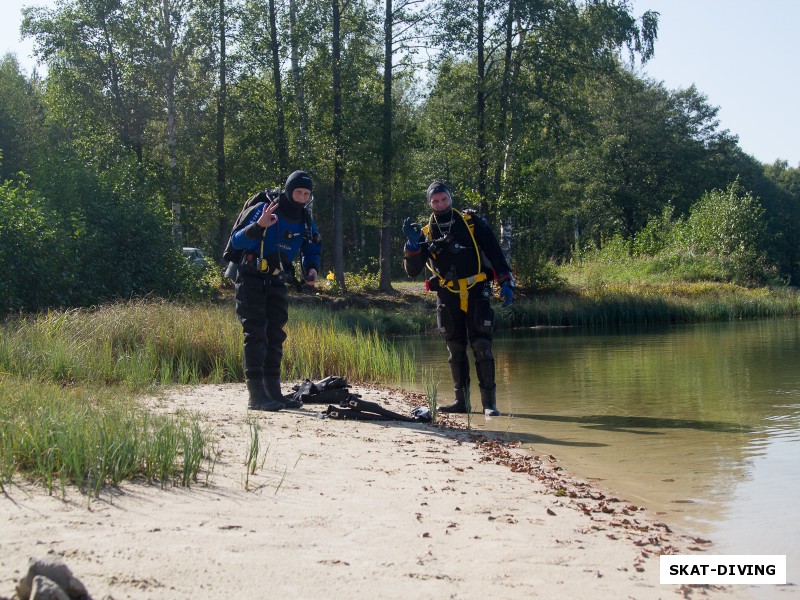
x=69, y=383
x=253, y=449
x=603, y=293
x=143, y=343
x=92, y=437
x=317, y=349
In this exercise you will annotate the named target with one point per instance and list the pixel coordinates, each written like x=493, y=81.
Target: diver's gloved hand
x=506, y=289
x=412, y=231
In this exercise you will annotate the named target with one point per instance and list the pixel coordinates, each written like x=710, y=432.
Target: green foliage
x=725, y=222
x=367, y=280
x=656, y=236
x=567, y=138
x=92, y=438
x=533, y=270
x=722, y=239
x=730, y=226
x=92, y=240
x=20, y=120
x=30, y=268
x=143, y=343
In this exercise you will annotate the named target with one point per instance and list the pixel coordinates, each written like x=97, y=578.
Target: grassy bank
x=592, y=295
x=70, y=382
x=144, y=343
x=92, y=437
x=612, y=304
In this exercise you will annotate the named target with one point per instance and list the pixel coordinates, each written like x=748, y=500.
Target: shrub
x=27, y=250
x=730, y=226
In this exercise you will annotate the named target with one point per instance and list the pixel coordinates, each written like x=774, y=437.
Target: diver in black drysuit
x=464, y=256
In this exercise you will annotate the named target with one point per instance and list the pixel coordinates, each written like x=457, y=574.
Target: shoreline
x=343, y=509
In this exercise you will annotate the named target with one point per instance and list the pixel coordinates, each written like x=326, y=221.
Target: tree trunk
x=505, y=97
x=481, y=114
x=503, y=135
x=172, y=140
x=299, y=92
x=222, y=190
x=338, y=154
x=506, y=227
x=280, y=134
x=116, y=92
x=385, y=284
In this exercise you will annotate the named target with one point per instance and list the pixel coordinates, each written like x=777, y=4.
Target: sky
x=741, y=54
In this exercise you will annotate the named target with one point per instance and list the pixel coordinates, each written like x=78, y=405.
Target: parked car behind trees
x=196, y=257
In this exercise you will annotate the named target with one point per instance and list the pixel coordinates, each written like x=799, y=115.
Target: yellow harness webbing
x=459, y=286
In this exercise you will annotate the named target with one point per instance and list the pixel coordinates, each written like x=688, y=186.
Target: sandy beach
x=348, y=509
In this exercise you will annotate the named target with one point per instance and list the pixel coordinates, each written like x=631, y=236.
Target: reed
x=253, y=449
x=142, y=343
x=431, y=386
x=317, y=349
x=613, y=304
x=92, y=437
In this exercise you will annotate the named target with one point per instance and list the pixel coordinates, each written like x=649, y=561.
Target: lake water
x=700, y=424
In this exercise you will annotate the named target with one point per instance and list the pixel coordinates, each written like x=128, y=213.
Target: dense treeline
x=157, y=118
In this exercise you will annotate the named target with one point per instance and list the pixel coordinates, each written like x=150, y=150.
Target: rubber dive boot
x=489, y=401
x=258, y=397
x=461, y=405
x=273, y=386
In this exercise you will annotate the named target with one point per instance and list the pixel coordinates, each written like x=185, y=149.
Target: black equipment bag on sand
x=346, y=414
x=342, y=404
x=331, y=390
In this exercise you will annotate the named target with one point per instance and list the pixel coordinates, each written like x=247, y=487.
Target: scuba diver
x=266, y=238
x=464, y=256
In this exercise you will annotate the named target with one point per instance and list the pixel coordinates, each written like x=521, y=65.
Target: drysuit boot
x=461, y=405
x=258, y=397
x=273, y=386
x=489, y=401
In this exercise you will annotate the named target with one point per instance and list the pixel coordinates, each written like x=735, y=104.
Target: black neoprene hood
x=298, y=180
x=436, y=187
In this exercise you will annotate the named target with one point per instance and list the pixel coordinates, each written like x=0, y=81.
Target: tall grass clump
x=92, y=438
x=317, y=349
x=253, y=449
x=137, y=343
x=612, y=304
x=143, y=343
x=431, y=392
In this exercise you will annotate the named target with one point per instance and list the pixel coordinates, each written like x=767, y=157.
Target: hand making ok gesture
x=268, y=217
